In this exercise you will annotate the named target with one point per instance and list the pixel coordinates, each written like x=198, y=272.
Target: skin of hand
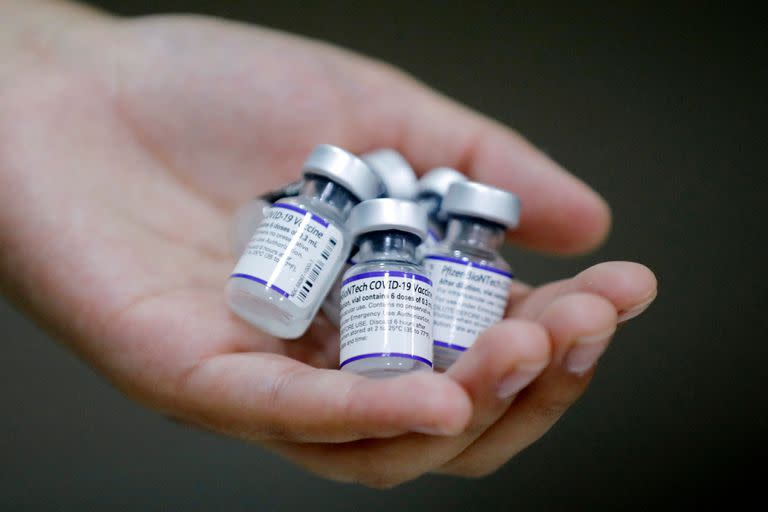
x=126, y=145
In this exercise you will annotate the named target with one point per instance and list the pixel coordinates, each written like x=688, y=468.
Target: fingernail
x=517, y=380
x=635, y=311
x=585, y=352
x=430, y=431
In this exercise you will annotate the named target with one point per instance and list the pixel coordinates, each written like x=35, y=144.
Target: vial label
x=386, y=313
x=289, y=251
x=472, y=297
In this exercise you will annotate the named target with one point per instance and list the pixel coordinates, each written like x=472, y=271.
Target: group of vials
x=408, y=270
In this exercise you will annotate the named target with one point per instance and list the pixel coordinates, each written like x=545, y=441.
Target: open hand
x=126, y=145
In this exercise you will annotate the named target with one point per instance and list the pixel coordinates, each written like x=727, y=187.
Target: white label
x=469, y=299
x=386, y=313
x=289, y=252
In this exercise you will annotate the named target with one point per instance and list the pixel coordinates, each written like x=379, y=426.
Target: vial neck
x=329, y=192
x=388, y=246
x=475, y=233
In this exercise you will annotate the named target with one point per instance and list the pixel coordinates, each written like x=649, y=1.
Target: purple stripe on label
x=261, y=281
x=387, y=354
x=433, y=234
x=470, y=264
x=450, y=346
x=388, y=273
x=302, y=211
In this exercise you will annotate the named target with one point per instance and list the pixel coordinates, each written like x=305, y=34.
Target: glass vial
x=399, y=182
x=301, y=244
x=432, y=188
x=386, y=297
x=471, y=278
x=394, y=171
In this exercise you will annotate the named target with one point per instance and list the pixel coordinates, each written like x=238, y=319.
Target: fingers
x=267, y=396
x=560, y=213
x=630, y=287
x=503, y=360
x=580, y=326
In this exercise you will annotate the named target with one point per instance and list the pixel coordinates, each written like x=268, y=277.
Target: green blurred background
x=660, y=110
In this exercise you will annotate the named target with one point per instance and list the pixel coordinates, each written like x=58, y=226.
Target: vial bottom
x=445, y=356
x=266, y=309
x=378, y=366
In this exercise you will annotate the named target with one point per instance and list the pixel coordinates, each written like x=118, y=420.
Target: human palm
x=124, y=158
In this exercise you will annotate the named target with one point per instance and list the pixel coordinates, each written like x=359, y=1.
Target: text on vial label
x=471, y=299
x=386, y=313
x=289, y=251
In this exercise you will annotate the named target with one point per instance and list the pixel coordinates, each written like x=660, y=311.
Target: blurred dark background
x=661, y=110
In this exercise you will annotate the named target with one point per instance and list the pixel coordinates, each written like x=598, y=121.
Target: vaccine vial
x=399, y=182
x=471, y=279
x=386, y=297
x=432, y=188
x=394, y=171
x=300, y=245
x=249, y=216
